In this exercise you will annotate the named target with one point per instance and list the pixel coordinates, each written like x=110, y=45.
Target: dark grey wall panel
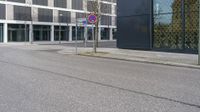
x=133, y=7
x=2, y=11
x=133, y=23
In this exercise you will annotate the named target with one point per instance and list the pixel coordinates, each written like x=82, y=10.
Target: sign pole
x=85, y=36
x=93, y=37
x=76, y=37
x=199, y=38
x=92, y=18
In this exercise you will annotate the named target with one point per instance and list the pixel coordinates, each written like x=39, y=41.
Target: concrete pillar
x=70, y=33
x=55, y=16
x=69, y=4
x=110, y=34
x=52, y=33
x=99, y=33
x=86, y=33
x=9, y=12
x=30, y=33
x=5, y=33
x=51, y=3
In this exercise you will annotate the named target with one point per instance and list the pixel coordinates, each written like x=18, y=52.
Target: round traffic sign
x=92, y=18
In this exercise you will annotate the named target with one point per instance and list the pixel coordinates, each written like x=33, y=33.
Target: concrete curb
x=146, y=61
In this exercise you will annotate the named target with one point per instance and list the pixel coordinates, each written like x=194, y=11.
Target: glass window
x=22, y=13
x=20, y=1
x=1, y=32
x=174, y=29
x=105, y=33
x=45, y=15
x=62, y=31
x=114, y=31
x=167, y=6
x=40, y=2
x=80, y=32
x=191, y=24
x=18, y=33
x=77, y=4
x=167, y=24
x=90, y=6
x=2, y=11
x=60, y=3
x=41, y=33
x=105, y=20
x=105, y=8
x=64, y=16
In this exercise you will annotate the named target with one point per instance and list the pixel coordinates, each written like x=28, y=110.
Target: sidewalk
x=172, y=59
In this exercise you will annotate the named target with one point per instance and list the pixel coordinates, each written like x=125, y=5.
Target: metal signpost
x=92, y=18
x=199, y=38
x=79, y=21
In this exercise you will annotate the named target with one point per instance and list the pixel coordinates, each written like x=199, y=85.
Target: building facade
x=166, y=25
x=53, y=20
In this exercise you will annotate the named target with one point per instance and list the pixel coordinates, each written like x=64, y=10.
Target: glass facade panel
x=60, y=3
x=105, y=33
x=40, y=2
x=114, y=31
x=80, y=31
x=64, y=16
x=45, y=15
x=1, y=33
x=18, y=33
x=176, y=24
x=20, y=1
x=63, y=32
x=105, y=8
x=77, y=4
x=191, y=24
x=2, y=11
x=105, y=20
x=41, y=33
x=89, y=35
x=22, y=13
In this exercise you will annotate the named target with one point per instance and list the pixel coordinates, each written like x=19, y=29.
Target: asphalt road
x=43, y=81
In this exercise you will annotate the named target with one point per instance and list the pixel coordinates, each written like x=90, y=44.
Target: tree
x=95, y=8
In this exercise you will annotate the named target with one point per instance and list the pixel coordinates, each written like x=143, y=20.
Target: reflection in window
x=62, y=31
x=17, y=32
x=41, y=33
x=172, y=29
x=80, y=33
x=105, y=33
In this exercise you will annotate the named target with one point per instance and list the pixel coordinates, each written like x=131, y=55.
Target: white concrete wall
x=69, y=4
x=9, y=12
x=35, y=14
x=50, y=3
x=5, y=33
x=55, y=16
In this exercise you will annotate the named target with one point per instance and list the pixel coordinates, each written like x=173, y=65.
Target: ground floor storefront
x=19, y=32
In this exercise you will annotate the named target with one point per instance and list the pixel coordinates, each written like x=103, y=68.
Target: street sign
x=92, y=18
x=82, y=21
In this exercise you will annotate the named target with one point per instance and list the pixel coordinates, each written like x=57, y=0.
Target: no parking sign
x=92, y=18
